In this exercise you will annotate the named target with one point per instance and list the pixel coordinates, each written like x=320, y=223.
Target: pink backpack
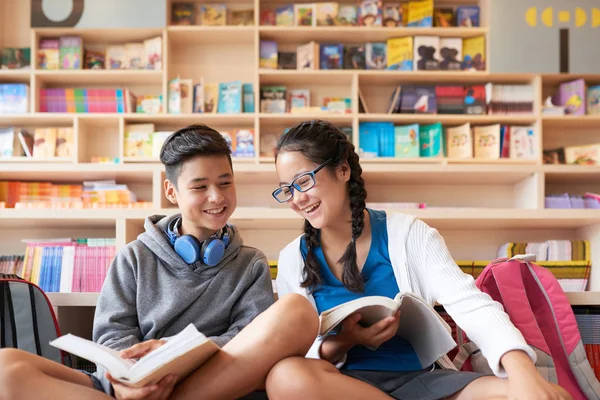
x=538, y=307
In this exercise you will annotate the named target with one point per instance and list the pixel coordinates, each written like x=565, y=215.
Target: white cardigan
x=423, y=265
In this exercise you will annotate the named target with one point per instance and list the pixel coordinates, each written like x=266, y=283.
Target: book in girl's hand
x=181, y=355
x=427, y=332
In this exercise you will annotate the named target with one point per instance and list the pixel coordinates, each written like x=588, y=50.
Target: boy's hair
x=197, y=140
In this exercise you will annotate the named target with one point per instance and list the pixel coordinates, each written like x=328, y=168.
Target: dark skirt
x=426, y=384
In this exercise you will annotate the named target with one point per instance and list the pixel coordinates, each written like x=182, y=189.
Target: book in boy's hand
x=426, y=331
x=180, y=355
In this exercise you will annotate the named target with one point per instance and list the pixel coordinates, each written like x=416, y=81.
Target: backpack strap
x=34, y=319
x=11, y=315
x=3, y=322
x=466, y=350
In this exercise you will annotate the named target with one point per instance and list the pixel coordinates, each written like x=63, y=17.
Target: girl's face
x=327, y=201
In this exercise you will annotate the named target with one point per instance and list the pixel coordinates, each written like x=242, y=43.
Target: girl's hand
x=524, y=381
x=141, y=349
x=372, y=337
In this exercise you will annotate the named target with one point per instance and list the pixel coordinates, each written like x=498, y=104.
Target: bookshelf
x=476, y=205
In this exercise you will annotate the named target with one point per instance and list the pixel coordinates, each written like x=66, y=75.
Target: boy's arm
x=116, y=321
x=256, y=299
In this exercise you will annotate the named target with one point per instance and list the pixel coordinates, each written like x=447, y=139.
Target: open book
x=427, y=332
x=181, y=355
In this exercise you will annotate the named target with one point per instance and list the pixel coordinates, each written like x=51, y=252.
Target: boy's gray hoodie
x=151, y=293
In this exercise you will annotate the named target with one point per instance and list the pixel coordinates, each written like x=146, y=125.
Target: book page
x=371, y=308
x=429, y=335
x=98, y=354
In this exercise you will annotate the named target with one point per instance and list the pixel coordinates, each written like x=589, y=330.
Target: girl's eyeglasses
x=302, y=183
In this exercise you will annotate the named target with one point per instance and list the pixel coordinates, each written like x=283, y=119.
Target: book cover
x=284, y=15
x=451, y=54
x=522, y=143
x=230, y=97
x=370, y=13
x=298, y=99
x=354, y=57
x=430, y=140
x=327, y=13
x=7, y=142
x=583, y=155
x=212, y=14
x=267, y=18
x=391, y=14
x=286, y=60
x=426, y=53
x=376, y=55
x=211, y=97
x=248, y=93
x=459, y=142
x=153, y=53
x=305, y=14
x=443, y=17
x=44, y=142
x=407, y=141
x=307, y=56
x=244, y=143
x=116, y=57
x=49, y=54
x=474, y=54
x=331, y=56
x=572, y=96
x=273, y=99
x=94, y=59
x=368, y=139
x=16, y=58
x=186, y=90
x=467, y=16
x=450, y=99
x=71, y=52
x=420, y=13
x=138, y=140
x=241, y=17
x=135, y=55
x=418, y=99
x=347, y=15
x=198, y=106
x=593, y=100
x=268, y=54
x=65, y=142
x=487, y=142
x=475, y=99
x=149, y=104
x=387, y=139
x=174, y=99
x=400, y=54
x=182, y=14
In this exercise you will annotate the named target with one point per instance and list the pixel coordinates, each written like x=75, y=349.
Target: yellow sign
x=564, y=16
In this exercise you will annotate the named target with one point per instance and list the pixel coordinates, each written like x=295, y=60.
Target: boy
x=170, y=277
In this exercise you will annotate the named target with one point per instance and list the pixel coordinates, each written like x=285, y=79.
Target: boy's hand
x=372, y=336
x=158, y=391
x=141, y=349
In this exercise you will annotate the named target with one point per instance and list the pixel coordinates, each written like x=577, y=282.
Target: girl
x=348, y=251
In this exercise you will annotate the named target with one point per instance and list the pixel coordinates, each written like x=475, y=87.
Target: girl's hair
x=320, y=141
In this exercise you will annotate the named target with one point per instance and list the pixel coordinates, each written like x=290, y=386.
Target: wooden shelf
x=283, y=218
x=105, y=77
x=55, y=172
x=214, y=35
x=15, y=75
x=32, y=160
x=358, y=34
x=290, y=118
x=571, y=121
x=101, y=36
x=447, y=119
x=572, y=174
x=180, y=120
x=556, y=79
x=316, y=77
x=583, y=298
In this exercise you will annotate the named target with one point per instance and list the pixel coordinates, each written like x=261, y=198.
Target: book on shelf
x=181, y=355
x=427, y=332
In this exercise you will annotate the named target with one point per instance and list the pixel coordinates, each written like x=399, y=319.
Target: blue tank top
x=394, y=355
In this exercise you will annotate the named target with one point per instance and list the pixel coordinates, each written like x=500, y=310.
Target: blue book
x=248, y=92
x=407, y=141
x=230, y=97
x=368, y=139
x=332, y=56
x=386, y=139
x=430, y=139
x=467, y=16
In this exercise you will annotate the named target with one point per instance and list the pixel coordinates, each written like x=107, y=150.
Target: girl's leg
x=288, y=328
x=301, y=378
x=488, y=388
x=27, y=376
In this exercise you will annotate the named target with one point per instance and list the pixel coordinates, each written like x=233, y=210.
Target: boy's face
x=205, y=194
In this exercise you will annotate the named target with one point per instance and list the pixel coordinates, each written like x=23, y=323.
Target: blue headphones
x=191, y=250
